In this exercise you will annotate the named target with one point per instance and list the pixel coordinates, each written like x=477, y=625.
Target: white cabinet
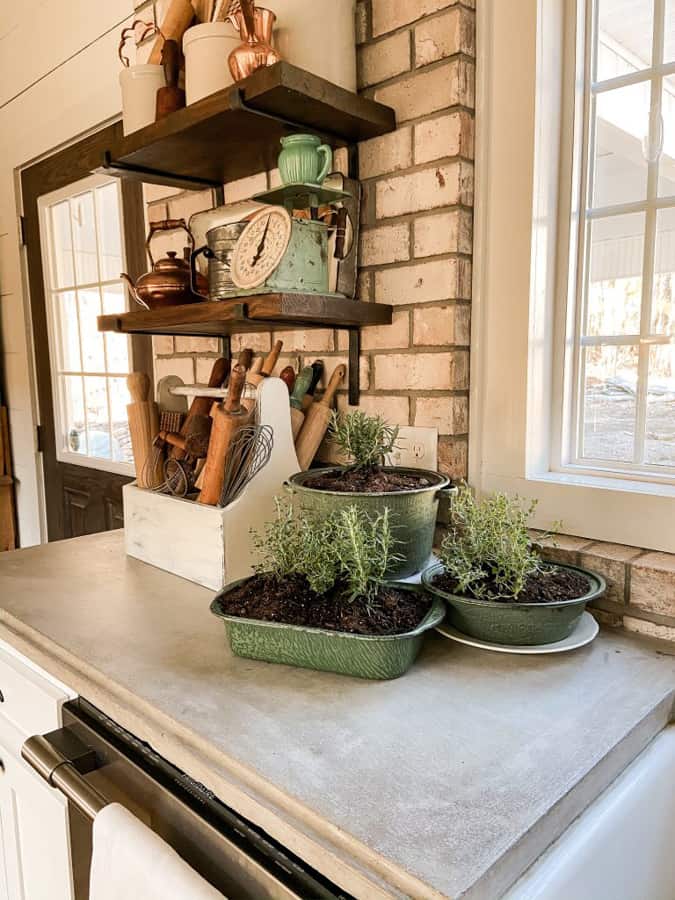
x=34, y=831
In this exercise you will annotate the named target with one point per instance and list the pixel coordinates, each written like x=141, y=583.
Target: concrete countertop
x=448, y=782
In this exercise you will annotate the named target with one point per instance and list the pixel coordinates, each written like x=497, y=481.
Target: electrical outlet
x=417, y=449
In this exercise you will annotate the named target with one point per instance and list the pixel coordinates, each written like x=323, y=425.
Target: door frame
x=66, y=166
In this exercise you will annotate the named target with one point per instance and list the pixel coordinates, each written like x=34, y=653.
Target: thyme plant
x=366, y=440
x=488, y=550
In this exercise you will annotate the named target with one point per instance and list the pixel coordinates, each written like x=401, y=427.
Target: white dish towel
x=131, y=862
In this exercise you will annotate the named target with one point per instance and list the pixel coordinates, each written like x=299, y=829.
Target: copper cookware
x=168, y=283
x=256, y=51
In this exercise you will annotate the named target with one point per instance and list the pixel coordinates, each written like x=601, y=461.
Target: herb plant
x=365, y=440
x=364, y=548
x=488, y=550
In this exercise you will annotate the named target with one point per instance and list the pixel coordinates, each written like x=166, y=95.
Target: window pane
x=98, y=425
x=625, y=34
x=610, y=381
x=116, y=345
x=74, y=438
x=660, y=440
x=93, y=359
x=663, y=306
x=68, y=334
x=667, y=158
x=84, y=238
x=669, y=36
x=119, y=397
x=615, y=285
x=110, y=248
x=622, y=127
x=63, y=273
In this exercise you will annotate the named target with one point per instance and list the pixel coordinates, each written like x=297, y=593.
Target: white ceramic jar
x=207, y=48
x=139, y=86
x=318, y=36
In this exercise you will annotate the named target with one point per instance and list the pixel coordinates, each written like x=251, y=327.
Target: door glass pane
x=615, y=284
x=669, y=36
x=667, y=158
x=610, y=381
x=98, y=423
x=116, y=345
x=119, y=397
x=62, y=249
x=663, y=305
x=74, y=437
x=68, y=333
x=84, y=238
x=660, y=439
x=110, y=246
x=625, y=33
x=622, y=127
x=93, y=358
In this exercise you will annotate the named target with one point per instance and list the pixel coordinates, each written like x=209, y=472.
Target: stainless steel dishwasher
x=94, y=761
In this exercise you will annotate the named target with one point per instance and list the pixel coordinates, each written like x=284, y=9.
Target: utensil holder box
x=206, y=544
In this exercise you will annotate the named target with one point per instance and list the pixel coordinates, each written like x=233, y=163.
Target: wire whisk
x=249, y=454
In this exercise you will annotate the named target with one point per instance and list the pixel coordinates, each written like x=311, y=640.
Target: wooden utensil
x=302, y=383
x=308, y=399
x=143, y=417
x=287, y=375
x=255, y=378
x=176, y=22
x=170, y=97
x=201, y=406
x=245, y=358
x=228, y=418
x=317, y=420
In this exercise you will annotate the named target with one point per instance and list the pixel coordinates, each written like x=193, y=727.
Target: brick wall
x=417, y=56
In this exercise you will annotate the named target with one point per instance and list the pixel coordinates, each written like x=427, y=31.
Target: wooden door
x=81, y=497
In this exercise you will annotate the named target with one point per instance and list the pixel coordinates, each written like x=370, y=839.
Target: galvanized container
x=359, y=655
x=413, y=513
x=520, y=624
x=219, y=247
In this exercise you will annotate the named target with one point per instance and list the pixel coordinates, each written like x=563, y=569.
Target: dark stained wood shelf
x=261, y=312
x=236, y=132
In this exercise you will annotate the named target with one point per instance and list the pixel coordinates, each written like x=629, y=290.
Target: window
x=621, y=336
x=83, y=258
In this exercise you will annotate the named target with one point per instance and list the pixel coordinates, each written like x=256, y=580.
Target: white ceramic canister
x=207, y=48
x=139, y=95
x=318, y=36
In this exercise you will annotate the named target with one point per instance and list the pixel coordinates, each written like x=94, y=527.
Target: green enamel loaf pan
x=521, y=624
x=363, y=656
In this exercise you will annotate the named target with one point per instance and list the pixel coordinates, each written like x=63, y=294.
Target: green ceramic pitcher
x=304, y=159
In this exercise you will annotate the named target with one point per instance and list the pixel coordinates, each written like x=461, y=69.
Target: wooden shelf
x=236, y=132
x=262, y=312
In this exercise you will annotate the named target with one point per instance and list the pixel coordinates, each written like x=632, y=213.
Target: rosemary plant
x=366, y=440
x=364, y=547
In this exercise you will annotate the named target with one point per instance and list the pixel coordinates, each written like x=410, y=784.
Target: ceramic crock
x=304, y=159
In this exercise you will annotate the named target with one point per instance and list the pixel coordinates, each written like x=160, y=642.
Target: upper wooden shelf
x=261, y=312
x=236, y=132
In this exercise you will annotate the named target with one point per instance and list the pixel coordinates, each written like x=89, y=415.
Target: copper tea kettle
x=168, y=283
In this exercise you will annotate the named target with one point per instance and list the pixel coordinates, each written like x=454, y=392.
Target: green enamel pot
x=521, y=624
x=359, y=655
x=413, y=513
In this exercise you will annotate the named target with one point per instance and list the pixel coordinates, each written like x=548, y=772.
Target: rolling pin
x=175, y=24
x=228, y=417
x=201, y=406
x=317, y=419
x=308, y=399
x=245, y=358
x=256, y=378
x=143, y=417
x=302, y=383
x=287, y=375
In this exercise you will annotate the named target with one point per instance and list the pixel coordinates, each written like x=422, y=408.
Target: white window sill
x=606, y=482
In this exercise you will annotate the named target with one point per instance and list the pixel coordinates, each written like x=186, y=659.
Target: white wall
x=58, y=80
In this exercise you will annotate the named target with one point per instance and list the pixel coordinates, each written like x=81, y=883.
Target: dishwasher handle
x=63, y=771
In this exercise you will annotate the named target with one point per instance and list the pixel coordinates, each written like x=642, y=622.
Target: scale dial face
x=261, y=247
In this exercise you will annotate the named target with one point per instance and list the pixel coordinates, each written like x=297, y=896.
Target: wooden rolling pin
x=201, y=406
x=143, y=417
x=176, y=22
x=317, y=420
x=228, y=417
x=302, y=384
x=256, y=378
x=245, y=358
x=317, y=365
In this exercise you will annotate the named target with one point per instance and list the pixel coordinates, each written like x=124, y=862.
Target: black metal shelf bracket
x=111, y=166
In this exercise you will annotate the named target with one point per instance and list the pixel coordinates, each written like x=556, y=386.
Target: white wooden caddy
x=205, y=544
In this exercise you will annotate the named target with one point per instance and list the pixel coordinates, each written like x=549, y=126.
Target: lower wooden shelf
x=261, y=312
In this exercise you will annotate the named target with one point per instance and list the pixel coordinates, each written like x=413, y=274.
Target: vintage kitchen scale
x=292, y=240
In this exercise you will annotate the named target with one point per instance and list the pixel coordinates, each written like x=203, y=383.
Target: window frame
x=517, y=367
x=45, y=202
